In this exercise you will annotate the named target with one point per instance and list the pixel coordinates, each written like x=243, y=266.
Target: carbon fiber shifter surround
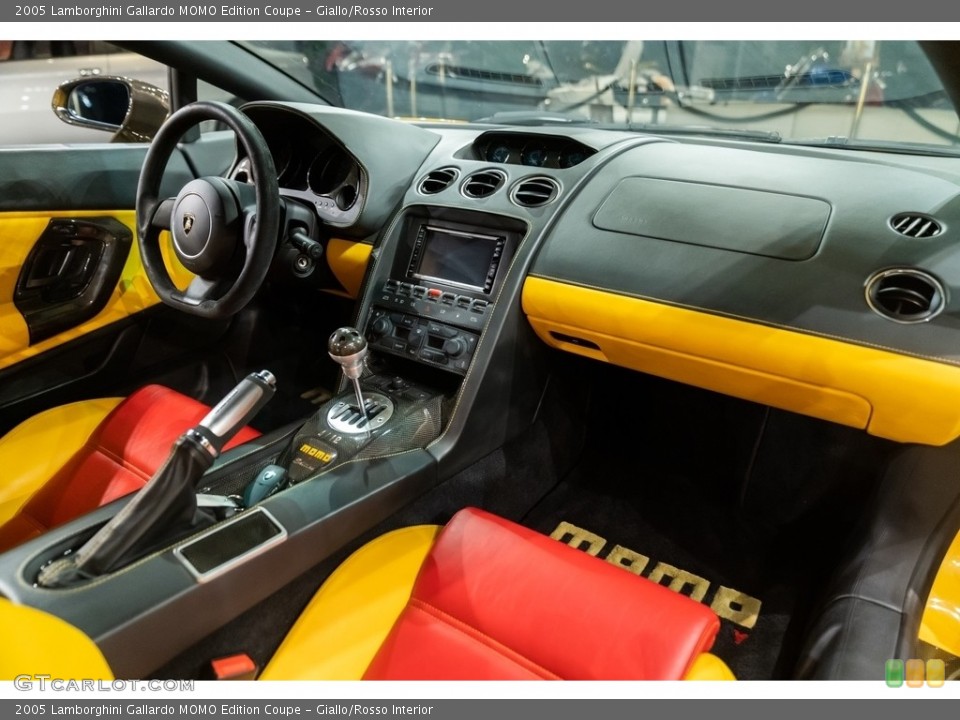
x=318, y=446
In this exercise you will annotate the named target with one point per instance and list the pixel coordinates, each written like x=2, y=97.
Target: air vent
x=483, y=184
x=915, y=225
x=437, y=180
x=534, y=192
x=905, y=295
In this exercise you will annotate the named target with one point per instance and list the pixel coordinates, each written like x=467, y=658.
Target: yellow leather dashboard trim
x=348, y=262
x=348, y=619
x=708, y=667
x=894, y=396
x=37, y=643
x=19, y=231
x=38, y=447
x=940, y=625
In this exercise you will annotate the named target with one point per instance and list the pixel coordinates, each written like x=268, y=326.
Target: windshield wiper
x=769, y=136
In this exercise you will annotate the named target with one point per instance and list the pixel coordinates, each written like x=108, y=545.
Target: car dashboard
x=814, y=280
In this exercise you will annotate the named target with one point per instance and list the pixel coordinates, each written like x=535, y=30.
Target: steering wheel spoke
x=201, y=290
x=162, y=214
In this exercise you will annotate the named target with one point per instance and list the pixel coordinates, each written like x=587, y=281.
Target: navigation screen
x=457, y=258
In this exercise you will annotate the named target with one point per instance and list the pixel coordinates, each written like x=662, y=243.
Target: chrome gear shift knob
x=348, y=348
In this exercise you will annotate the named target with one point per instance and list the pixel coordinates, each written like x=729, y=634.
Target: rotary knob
x=381, y=326
x=454, y=347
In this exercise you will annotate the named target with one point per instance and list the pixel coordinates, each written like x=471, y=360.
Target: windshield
x=835, y=92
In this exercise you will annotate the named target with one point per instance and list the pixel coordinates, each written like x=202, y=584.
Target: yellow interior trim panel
x=348, y=619
x=707, y=666
x=37, y=643
x=894, y=396
x=20, y=231
x=348, y=262
x=38, y=447
x=940, y=625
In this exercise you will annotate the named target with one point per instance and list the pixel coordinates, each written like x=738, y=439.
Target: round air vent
x=437, y=180
x=483, y=184
x=915, y=225
x=905, y=295
x=534, y=192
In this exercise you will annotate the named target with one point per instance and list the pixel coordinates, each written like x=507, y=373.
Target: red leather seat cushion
x=120, y=456
x=495, y=600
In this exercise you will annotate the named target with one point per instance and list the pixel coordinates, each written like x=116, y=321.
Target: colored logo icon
x=914, y=673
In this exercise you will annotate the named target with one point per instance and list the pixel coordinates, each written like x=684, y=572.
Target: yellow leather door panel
x=19, y=232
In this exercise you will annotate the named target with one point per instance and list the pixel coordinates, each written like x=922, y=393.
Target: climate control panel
x=435, y=304
x=421, y=339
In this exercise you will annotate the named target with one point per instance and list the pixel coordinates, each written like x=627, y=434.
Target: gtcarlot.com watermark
x=48, y=682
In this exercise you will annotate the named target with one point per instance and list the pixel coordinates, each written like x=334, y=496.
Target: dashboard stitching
x=734, y=316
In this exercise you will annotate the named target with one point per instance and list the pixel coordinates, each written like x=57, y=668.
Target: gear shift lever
x=348, y=348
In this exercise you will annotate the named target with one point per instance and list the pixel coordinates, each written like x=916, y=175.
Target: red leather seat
x=123, y=451
x=491, y=599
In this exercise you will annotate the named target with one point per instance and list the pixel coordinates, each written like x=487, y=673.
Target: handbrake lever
x=233, y=412
x=169, y=499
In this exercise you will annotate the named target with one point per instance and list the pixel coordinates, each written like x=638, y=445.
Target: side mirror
x=131, y=109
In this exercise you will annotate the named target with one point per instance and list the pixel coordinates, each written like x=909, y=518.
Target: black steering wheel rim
x=214, y=295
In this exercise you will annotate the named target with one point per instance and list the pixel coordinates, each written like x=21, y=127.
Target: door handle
x=70, y=273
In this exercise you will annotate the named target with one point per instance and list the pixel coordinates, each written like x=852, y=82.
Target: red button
x=433, y=292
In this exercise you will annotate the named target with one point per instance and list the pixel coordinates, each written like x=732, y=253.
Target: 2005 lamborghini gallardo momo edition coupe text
x=480, y=360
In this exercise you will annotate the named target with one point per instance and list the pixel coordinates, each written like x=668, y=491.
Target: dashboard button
x=433, y=356
x=416, y=337
x=463, y=301
x=448, y=298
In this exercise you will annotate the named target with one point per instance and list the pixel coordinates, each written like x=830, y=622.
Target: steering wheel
x=224, y=231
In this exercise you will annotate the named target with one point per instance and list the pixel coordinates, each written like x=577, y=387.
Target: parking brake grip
x=235, y=411
x=167, y=504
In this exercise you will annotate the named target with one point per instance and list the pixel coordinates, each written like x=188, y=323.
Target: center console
x=442, y=284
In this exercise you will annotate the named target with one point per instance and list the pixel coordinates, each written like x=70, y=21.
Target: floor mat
x=702, y=556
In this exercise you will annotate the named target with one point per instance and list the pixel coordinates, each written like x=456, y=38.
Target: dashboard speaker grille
x=915, y=225
x=437, y=180
x=534, y=192
x=905, y=295
x=483, y=184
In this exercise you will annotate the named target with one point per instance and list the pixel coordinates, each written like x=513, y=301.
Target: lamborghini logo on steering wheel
x=188, y=220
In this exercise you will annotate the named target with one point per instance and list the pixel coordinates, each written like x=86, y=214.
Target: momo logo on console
x=314, y=452
x=727, y=603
